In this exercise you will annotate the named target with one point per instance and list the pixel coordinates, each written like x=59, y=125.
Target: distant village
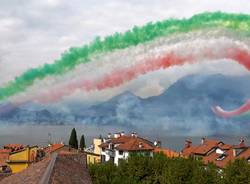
x=53, y=163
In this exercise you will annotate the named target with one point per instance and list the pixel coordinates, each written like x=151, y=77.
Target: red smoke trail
x=118, y=77
x=241, y=56
x=123, y=75
x=113, y=79
x=227, y=114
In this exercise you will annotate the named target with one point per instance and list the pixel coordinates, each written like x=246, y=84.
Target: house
x=4, y=155
x=22, y=158
x=94, y=152
x=120, y=146
x=217, y=152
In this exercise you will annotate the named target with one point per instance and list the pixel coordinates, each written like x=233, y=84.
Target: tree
x=82, y=142
x=73, y=142
x=237, y=172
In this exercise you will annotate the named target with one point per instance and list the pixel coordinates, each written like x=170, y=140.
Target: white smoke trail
x=100, y=65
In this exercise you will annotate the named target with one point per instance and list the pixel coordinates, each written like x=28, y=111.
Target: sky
x=36, y=32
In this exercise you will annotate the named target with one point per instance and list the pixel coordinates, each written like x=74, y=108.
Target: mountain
x=183, y=107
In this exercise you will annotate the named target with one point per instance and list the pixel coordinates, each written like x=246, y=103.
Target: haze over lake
x=43, y=134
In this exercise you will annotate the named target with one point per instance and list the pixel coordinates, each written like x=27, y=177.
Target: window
x=111, y=146
x=120, y=152
x=103, y=159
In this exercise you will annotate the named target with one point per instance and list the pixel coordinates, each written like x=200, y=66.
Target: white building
x=119, y=146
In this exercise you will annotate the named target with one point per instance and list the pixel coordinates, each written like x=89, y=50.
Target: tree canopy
x=139, y=169
x=82, y=142
x=73, y=142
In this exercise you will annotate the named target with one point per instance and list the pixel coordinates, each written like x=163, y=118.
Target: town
x=63, y=163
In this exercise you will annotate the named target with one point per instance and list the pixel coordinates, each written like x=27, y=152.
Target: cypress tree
x=73, y=142
x=82, y=142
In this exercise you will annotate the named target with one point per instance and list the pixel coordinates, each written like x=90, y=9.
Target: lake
x=43, y=134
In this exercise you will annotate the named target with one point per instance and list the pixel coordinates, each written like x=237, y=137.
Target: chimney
x=234, y=152
x=242, y=143
x=109, y=135
x=188, y=143
x=203, y=140
x=157, y=143
x=140, y=145
x=117, y=135
x=133, y=134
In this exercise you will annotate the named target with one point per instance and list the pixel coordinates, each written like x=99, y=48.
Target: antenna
x=49, y=137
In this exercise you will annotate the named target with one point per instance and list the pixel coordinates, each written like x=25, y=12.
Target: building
x=94, y=152
x=217, y=152
x=120, y=146
x=21, y=159
x=93, y=158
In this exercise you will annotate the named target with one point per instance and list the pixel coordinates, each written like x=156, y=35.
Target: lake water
x=42, y=135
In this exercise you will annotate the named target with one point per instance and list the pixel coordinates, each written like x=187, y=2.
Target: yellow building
x=95, y=156
x=97, y=143
x=21, y=159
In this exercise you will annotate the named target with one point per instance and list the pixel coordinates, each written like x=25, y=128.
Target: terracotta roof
x=53, y=147
x=187, y=151
x=206, y=146
x=135, y=144
x=201, y=149
x=225, y=146
x=167, y=152
x=129, y=143
x=4, y=151
x=13, y=146
x=245, y=154
x=220, y=160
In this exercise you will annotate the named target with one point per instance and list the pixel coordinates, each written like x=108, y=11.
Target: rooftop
x=216, y=151
x=129, y=143
x=68, y=167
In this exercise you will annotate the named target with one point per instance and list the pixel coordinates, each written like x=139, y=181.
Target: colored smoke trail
x=138, y=35
x=121, y=76
x=228, y=114
x=112, y=70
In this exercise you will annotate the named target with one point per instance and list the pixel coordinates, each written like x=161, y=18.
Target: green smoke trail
x=138, y=35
